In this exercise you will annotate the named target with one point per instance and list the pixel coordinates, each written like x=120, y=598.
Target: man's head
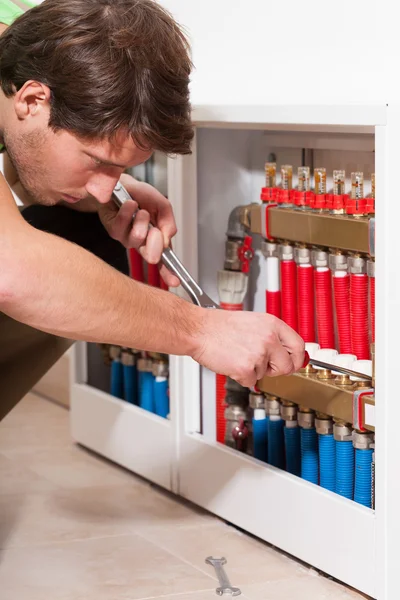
x=90, y=87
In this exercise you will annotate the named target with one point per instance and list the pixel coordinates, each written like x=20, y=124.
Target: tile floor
x=75, y=527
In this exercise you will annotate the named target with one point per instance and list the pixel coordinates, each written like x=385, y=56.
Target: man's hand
x=245, y=346
x=155, y=209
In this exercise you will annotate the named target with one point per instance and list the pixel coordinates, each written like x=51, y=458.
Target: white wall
x=289, y=51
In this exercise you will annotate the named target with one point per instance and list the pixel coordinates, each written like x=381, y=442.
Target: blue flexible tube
x=344, y=469
x=292, y=450
x=327, y=462
x=260, y=439
x=146, y=391
x=117, y=379
x=309, y=455
x=161, y=397
x=276, y=445
x=130, y=384
x=363, y=484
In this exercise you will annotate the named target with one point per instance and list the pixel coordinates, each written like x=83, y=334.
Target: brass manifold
x=323, y=392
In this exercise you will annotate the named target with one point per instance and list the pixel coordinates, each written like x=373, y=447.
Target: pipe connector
x=342, y=432
x=270, y=250
x=338, y=262
x=115, y=352
x=236, y=229
x=371, y=268
x=319, y=258
x=324, y=425
x=127, y=357
x=306, y=418
x=286, y=252
x=272, y=406
x=144, y=365
x=256, y=400
x=160, y=369
x=356, y=265
x=288, y=411
x=232, y=287
x=362, y=441
x=302, y=256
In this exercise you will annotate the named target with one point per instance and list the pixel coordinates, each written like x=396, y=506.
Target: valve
x=246, y=254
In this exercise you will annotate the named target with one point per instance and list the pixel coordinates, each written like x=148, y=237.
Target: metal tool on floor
x=171, y=261
x=224, y=583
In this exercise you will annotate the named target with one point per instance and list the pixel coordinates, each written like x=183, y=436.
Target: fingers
x=166, y=222
x=292, y=342
x=170, y=279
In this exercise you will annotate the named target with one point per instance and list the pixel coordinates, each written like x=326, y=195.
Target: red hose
x=220, y=388
x=289, y=293
x=136, y=264
x=273, y=303
x=324, y=306
x=153, y=276
x=372, y=306
x=359, y=315
x=305, y=293
x=163, y=285
x=341, y=289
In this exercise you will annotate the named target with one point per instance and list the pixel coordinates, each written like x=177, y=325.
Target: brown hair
x=110, y=65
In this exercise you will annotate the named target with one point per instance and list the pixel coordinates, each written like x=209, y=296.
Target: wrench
x=224, y=583
x=171, y=261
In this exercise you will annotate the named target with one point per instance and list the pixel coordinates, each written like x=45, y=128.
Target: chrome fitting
x=362, y=441
x=338, y=262
x=306, y=420
x=160, y=369
x=286, y=252
x=288, y=411
x=269, y=249
x=342, y=432
x=302, y=256
x=371, y=268
x=256, y=400
x=127, y=358
x=319, y=258
x=324, y=426
x=145, y=365
x=356, y=265
x=232, y=259
x=272, y=406
x=232, y=286
x=115, y=352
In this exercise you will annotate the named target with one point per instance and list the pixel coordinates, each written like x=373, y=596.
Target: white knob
x=326, y=355
x=362, y=366
x=344, y=360
x=312, y=348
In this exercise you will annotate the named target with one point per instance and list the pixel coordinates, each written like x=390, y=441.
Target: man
x=89, y=88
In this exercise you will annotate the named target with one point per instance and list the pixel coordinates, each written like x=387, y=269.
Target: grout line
x=174, y=595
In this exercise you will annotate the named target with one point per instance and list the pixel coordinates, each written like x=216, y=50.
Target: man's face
x=59, y=167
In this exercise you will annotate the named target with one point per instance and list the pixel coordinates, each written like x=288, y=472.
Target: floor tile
x=16, y=478
x=248, y=561
x=309, y=587
x=118, y=568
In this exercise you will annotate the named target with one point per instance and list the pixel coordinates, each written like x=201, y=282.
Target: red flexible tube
x=324, y=306
x=136, y=264
x=273, y=303
x=305, y=293
x=289, y=293
x=163, y=285
x=341, y=289
x=359, y=315
x=220, y=388
x=153, y=276
x=372, y=306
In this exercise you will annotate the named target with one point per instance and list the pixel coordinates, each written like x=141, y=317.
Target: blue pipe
x=161, y=397
x=363, y=477
x=117, y=379
x=146, y=391
x=292, y=450
x=260, y=439
x=276, y=445
x=309, y=455
x=130, y=384
x=327, y=462
x=344, y=469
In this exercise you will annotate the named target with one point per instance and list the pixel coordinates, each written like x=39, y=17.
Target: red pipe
x=359, y=315
x=163, y=285
x=153, y=275
x=341, y=289
x=372, y=306
x=136, y=264
x=289, y=293
x=324, y=306
x=220, y=388
x=305, y=293
x=273, y=303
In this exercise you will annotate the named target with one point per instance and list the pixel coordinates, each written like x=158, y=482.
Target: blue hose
x=327, y=462
x=130, y=384
x=309, y=455
x=260, y=439
x=363, y=483
x=292, y=450
x=345, y=469
x=117, y=379
x=146, y=391
x=161, y=397
x=276, y=445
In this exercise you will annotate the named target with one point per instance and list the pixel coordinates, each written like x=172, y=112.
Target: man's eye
x=96, y=161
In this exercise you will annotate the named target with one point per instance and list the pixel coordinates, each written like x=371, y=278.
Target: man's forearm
x=60, y=288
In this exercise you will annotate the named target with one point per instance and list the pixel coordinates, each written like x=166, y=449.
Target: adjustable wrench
x=171, y=261
x=329, y=367
x=224, y=583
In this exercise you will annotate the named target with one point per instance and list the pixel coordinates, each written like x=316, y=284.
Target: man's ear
x=3, y=27
x=32, y=100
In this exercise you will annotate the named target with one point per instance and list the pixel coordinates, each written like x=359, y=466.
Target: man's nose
x=101, y=187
